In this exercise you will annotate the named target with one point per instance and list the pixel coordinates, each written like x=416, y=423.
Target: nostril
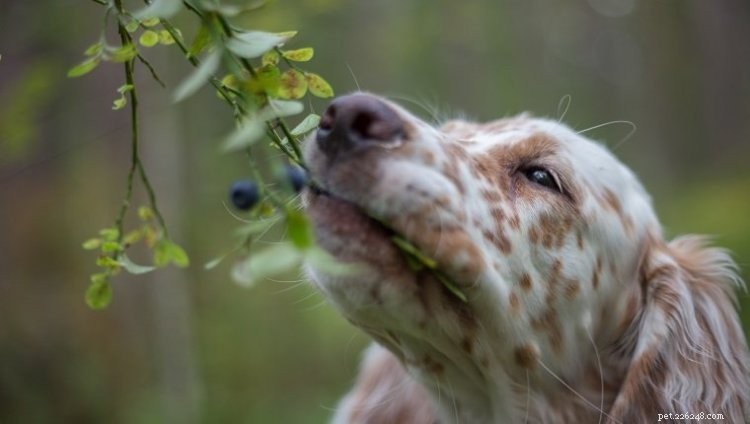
x=355, y=121
x=363, y=125
x=328, y=118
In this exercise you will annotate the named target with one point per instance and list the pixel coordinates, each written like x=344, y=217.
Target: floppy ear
x=689, y=353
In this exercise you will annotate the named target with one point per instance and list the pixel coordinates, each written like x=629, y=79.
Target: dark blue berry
x=244, y=194
x=296, y=176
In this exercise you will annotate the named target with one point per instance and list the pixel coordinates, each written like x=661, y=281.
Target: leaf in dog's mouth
x=418, y=261
x=415, y=258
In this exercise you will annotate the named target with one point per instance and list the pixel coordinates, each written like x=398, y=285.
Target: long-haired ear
x=689, y=353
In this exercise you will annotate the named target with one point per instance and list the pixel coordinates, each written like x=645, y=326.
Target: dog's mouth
x=351, y=233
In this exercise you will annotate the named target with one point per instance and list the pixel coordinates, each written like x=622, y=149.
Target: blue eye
x=543, y=177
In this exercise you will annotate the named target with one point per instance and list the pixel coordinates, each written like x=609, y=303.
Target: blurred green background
x=188, y=346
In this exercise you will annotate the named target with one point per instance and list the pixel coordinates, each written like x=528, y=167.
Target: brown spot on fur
x=497, y=215
x=548, y=322
x=526, y=356
x=491, y=195
x=579, y=239
x=514, y=221
x=595, y=278
x=533, y=235
x=525, y=282
x=467, y=345
x=499, y=240
x=612, y=203
x=432, y=366
x=572, y=288
x=451, y=172
x=515, y=305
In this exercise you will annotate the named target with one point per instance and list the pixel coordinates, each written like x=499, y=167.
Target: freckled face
x=523, y=214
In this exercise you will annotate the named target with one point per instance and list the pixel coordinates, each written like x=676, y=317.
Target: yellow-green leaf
x=84, y=67
x=292, y=85
x=200, y=42
x=152, y=21
x=298, y=229
x=299, y=55
x=318, y=86
x=270, y=57
x=166, y=38
x=166, y=252
x=93, y=49
x=148, y=38
x=119, y=103
x=145, y=213
x=99, y=293
x=92, y=243
x=123, y=53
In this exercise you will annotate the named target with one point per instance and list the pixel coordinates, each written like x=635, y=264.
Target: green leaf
x=92, y=243
x=200, y=42
x=324, y=261
x=125, y=88
x=145, y=213
x=148, y=38
x=99, y=294
x=110, y=246
x=247, y=132
x=230, y=10
x=134, y=268
x=293, y=85
x=299, y=55
x=93, y=50
x=318, y=86
x=298, y=229
x=165, y=38
x=266, y=80
x=269, y=262
x=284, y=108
x=109, y=233
x=166, y=252
x=159, y=8
x=253, y=44
x=213, y=263
x=452, y=287
x=150, y=22
x=84, y=67
x=270, y=57
x=119, y=103
x=192, y=83
x=308, y=124
x=132, y=237
x=123, y=53
x=412, y=250
x=132, y=25
x=107, y=262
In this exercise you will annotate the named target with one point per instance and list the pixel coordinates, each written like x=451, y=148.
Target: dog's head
x=552, y=240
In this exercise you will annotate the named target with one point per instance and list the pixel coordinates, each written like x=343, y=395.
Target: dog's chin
x=347, y=232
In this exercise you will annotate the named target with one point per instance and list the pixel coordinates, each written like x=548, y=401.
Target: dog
x=574, y=307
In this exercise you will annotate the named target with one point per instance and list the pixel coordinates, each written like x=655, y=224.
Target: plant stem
x=297, y=156
x=135, y=159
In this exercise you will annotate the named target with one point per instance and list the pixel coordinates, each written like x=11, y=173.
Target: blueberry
x=296, y=176
x=244, y=194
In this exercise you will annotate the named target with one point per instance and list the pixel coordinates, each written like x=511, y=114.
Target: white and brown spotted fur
x=578, y=310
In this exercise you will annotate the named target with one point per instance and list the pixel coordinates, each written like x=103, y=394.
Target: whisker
x=601, y=376
x=354, y=77
x=632, y=131
x=574, y=391
x=566, y=100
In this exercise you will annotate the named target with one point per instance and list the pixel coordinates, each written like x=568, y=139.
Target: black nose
x=357, y=120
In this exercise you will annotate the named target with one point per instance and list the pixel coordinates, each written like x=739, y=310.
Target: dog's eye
x=542, y=177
